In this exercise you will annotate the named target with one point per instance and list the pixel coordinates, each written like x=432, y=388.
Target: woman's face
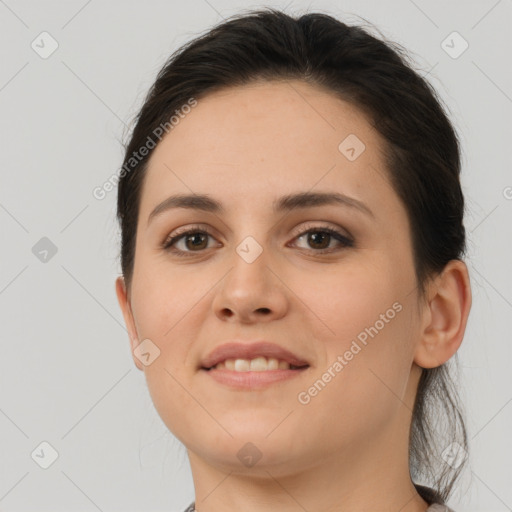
x=349, y=310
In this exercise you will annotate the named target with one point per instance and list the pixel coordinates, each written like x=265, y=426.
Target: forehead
x=250, y=144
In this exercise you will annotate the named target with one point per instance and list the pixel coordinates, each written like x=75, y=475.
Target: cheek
x=162, y=299
x=168, y=310
x=345, y=300
x=360, y=389
x=366, y=321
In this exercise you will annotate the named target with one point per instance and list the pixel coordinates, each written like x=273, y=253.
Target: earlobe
x=124, y=303
x=446, y=316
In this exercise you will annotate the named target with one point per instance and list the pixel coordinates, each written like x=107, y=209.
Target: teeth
x=258, y=364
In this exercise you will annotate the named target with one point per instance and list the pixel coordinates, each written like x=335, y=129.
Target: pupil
x=194, y=237
x=323, y=236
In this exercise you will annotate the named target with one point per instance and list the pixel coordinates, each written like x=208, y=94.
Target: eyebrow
x=286, y=203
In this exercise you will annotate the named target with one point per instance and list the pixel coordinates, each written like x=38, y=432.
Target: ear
x=444, y=316
x=124, y=303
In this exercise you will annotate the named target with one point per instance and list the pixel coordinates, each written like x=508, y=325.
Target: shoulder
x=437, y=507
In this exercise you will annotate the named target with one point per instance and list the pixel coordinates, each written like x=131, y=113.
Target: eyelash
x=168, y=243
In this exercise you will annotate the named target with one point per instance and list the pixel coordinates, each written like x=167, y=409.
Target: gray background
x=66, y=374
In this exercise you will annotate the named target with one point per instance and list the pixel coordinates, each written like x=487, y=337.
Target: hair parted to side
x=422, y=159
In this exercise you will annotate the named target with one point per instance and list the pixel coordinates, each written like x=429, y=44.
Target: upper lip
x=246, y=350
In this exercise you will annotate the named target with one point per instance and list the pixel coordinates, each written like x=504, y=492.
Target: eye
x=195, y=239
x=319, y=237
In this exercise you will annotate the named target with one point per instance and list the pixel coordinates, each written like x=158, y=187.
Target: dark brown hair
x=422, y=161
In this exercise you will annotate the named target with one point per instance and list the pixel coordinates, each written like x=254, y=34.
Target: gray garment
x=435, y=507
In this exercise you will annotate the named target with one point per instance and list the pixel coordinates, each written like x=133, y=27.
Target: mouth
x=257, y=364
x=252, y=356
x=254, y=365
x=252, y=375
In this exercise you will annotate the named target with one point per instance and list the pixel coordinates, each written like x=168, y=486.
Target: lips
x=245, y=350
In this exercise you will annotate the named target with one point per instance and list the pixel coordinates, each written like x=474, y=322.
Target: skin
x=347, y=449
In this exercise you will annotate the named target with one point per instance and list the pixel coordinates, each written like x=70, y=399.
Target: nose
x=251, y=292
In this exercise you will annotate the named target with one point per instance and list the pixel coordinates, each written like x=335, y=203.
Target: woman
x=292, y=274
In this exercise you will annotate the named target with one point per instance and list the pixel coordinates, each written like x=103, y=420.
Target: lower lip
x=252, y=380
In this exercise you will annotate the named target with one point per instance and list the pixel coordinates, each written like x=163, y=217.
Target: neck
x=373, y=477
x=368, y=472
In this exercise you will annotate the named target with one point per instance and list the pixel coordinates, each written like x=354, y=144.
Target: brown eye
x=319, y=239
x=194, y=240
